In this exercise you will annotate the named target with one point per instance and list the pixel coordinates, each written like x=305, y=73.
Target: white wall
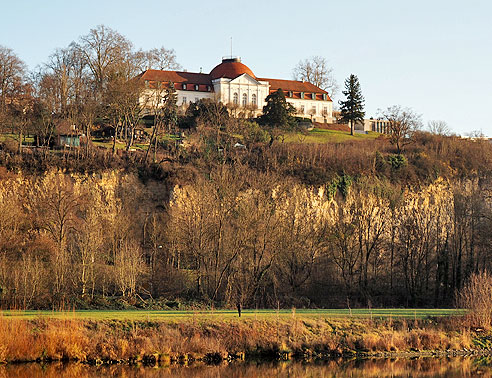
x=309, y=104
x=241, y=85
x=192, y=96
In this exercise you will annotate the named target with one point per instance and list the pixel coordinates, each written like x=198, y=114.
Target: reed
x=131, y=341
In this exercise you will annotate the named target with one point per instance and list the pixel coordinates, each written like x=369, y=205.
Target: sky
x=433, y=56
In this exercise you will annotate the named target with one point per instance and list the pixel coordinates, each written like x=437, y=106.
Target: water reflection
x=421, y=367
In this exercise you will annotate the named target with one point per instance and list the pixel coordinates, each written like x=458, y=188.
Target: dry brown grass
x=82, y=340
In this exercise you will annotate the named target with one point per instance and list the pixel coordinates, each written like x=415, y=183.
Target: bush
x=476, y=296
x=10, y=145
x=397, y=161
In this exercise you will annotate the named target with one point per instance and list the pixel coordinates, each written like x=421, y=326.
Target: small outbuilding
x=67, y=134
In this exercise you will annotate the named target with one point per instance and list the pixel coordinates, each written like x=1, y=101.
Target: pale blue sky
x=434, y=56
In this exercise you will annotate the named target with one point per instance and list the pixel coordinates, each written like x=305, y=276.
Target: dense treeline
x=290, y=225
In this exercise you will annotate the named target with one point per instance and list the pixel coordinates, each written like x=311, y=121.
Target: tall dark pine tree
x=277, y=114
x=352, y=109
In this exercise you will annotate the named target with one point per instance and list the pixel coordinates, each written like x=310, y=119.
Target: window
x=235, y=99
x=208, y=88
x=324, y=97
x=184, y=100
x=302, y=109
x=184, y=86
x=302, y=94
x=253, y=100
x=313, y=96
x=146, y=83
x=245, y=99
x=313, y=109
x=196, y=87
x=325, y=110
x=290, y=93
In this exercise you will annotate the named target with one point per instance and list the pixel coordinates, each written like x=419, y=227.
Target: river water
x=419, y=367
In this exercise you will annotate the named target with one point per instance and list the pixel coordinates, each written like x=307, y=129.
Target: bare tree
x=162, y=59
x=403, y=123
x=58, y=79
x=103, y=49
x=12, y=71
x=122, y=98
x=128, y=267
x=162, y=105
x=88, y=240
x=438, y=127
x=54, y=203
x=316, y=71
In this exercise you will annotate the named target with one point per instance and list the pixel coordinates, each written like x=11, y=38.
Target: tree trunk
x=20, y=142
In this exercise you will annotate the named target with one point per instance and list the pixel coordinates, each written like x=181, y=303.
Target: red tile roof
x=296, y=86
x=176, y=77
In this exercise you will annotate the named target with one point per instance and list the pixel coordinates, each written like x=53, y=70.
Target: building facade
x=235, y=85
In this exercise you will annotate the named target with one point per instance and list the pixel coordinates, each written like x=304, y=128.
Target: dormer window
x=146, y=83
x=324, y=97
x=208, y=88
x=184, y=86
x=313, y=96
x=290, y=93
x=302, y=94
x=196, y=87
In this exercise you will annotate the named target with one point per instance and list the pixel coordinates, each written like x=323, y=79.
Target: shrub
x=476, y=296
x=397, y=161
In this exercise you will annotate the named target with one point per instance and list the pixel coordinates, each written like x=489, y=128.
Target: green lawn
x=15, y=137
x=119, y=146
x=172, y=315
x=328, y=136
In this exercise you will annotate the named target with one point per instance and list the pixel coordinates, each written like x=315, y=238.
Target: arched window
x=253, y=100
x=245, y=99
x=235, y=99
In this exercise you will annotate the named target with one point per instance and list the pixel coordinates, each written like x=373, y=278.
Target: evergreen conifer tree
x=277, y=114
x=352, y=109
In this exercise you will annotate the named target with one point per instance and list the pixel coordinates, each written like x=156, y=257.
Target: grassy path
x=171, y=315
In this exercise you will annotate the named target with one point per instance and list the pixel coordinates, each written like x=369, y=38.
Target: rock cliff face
x=418, y=242
x=373, y=199
x=240, y=238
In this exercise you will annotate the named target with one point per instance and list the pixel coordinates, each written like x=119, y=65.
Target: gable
x=245, y=79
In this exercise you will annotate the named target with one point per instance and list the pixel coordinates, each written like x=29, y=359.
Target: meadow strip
x=47, y=339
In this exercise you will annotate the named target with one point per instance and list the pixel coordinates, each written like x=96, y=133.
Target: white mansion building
x=234, y=84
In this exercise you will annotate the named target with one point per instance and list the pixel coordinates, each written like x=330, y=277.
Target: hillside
x=296, y=224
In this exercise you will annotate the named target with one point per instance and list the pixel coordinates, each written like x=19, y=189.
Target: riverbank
x=113, y=341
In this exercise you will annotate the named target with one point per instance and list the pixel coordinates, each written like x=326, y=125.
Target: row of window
x=235, y=99
x=302, y=110
x=303, y=95
x=196, y=87
x=185, y=86
x=185, y=100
